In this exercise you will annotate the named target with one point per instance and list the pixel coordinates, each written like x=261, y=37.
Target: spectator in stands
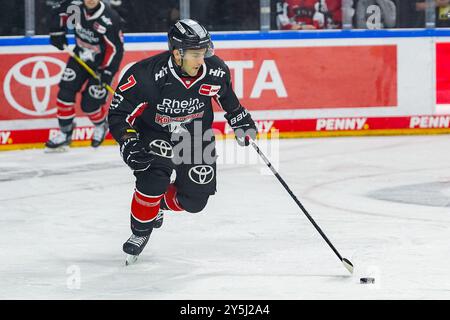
x=442, y=12
x=309, y=14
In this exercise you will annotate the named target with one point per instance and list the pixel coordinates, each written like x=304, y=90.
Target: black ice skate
x=133, y=247
x=159, y=219
x=100, y=132
x=61, y=141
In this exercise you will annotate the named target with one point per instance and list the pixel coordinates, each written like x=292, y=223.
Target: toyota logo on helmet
x=189, y=34
x=202, y=174
x=40, y=78
x=161, y=148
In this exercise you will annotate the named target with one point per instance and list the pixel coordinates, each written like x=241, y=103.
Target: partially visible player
x=159, y=99
x=99, y=44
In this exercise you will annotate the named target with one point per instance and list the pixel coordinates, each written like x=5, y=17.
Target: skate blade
x=130, y=259
x=56, y=150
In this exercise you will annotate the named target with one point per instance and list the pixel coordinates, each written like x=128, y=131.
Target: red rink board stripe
x=357, y=125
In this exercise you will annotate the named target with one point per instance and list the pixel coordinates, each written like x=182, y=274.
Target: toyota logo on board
x=40, y=80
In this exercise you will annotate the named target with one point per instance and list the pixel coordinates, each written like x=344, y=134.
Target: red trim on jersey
x=110, y=52
x=136, y=113
x=200, y=75
x=216, y=99
x=131, y=81
x=144, y=208
x=189, y=81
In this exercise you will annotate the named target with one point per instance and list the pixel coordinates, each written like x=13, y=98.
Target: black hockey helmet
x=189, y=34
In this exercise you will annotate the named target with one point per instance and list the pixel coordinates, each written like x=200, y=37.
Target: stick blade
x=348, y=265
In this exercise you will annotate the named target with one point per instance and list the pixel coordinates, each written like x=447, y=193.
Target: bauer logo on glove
x=243, y=125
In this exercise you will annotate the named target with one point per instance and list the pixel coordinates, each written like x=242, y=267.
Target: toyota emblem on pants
x=201, y=174
x=97, y=92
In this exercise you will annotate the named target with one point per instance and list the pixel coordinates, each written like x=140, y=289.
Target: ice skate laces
x=137, y=240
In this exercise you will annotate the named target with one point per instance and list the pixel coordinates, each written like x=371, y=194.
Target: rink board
x=340, y=83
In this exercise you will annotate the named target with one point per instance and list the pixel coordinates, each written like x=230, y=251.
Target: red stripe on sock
x=65, y=113
x=61, y=103
x=65, y=110
x=145, y=208
x=97, y=116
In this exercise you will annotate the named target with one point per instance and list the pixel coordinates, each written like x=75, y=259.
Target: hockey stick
x=347, y=264
x=88, y=69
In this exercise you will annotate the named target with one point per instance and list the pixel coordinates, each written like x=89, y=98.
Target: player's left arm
x=237, y=116
x=113, y=40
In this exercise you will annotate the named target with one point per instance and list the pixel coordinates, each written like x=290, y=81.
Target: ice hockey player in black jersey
x=161, y=116
x=99, y=44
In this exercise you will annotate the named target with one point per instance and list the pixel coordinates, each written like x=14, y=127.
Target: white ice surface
x=384, y=202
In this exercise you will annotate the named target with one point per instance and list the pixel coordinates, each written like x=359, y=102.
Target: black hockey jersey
x=153, y=95
x=99, y=40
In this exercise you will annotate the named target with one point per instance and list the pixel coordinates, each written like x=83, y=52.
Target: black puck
x=367, y=280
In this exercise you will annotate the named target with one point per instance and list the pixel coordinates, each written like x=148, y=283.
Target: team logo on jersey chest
x=176, y=124
x=178, y=107
x=209, y=90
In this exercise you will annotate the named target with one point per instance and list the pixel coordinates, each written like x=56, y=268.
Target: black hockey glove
x=58, y=39
x=243, y=125
x=135, y=156
x=105, y=77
